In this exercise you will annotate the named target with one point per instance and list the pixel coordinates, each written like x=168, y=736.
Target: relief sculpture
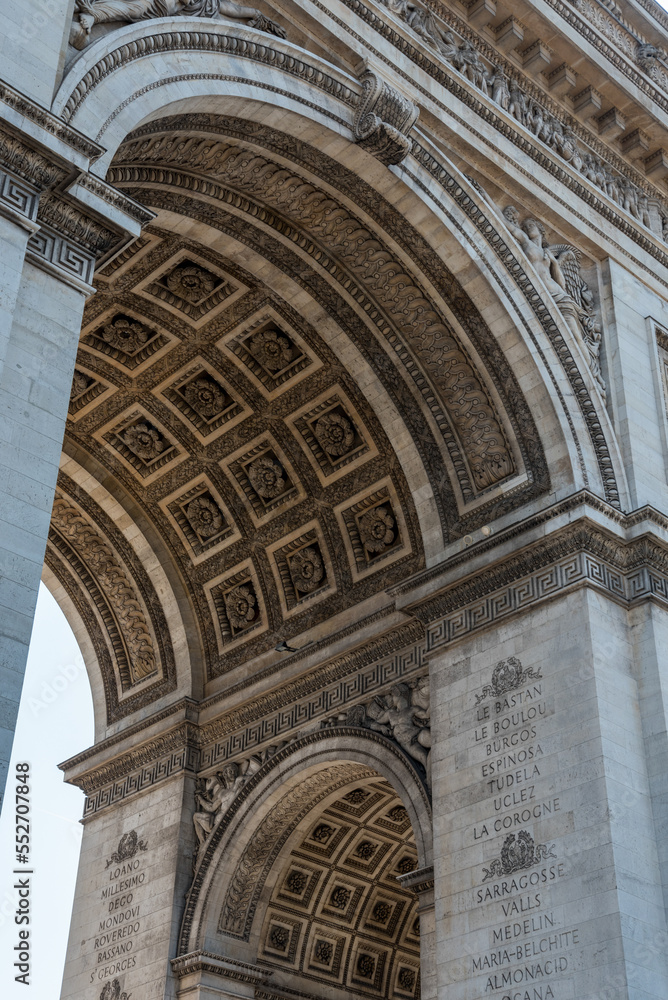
x=402, y=715
x=215, y=794
x=559, y=268
x=508, y=94
x=91, y=12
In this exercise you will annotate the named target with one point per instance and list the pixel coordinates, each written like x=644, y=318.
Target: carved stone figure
x=91, y=12
x=402, y=715
x=559, y=267
x=509, y=95
x=215, y=798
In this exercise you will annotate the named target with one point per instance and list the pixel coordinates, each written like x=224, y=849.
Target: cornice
x=524, y=527
x=418, y=881
x=580, y=554
x=227, y=968
x=49, y=123
x=112, y=196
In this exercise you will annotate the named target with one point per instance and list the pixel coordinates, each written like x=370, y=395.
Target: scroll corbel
x=383, y=120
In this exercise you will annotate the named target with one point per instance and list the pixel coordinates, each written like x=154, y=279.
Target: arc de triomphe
x=334, y=399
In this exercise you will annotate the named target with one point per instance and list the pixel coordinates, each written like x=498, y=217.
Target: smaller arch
x=310, y=771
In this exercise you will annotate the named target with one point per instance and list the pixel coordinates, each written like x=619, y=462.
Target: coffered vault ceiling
x=337, y=914
x=286, y=389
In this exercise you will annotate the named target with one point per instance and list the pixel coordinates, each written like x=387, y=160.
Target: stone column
x=548, y=766
x=136, y=864
x=48, y=247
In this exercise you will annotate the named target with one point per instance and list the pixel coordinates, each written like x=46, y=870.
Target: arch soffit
x=84, y=99
x=300, y=776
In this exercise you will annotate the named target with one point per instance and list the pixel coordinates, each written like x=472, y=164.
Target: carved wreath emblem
x=128, y=846
x=508, y=675
x=112, y=991
x=518, y=852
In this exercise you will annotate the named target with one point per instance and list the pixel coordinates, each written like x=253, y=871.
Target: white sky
x=55, y=722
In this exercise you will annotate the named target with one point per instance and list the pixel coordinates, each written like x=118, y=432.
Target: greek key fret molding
x=383, y=120
x=276, y=715
x=575, y=556
x=18, y=199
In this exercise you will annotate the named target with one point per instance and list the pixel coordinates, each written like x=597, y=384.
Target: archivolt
x=365, y=268
x=274, y=802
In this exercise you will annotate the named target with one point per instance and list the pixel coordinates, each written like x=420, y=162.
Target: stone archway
x=341, y=835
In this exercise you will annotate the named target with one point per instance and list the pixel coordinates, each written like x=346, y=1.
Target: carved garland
x=120, y=593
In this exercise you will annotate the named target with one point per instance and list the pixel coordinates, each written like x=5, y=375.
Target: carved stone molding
x=265, y=720
x=23, y=161
x=204, y=40
x=50, y=123
x=383, y=120
x=575, y=556
x=226, y=968
x=587, y=406
x=114, y=582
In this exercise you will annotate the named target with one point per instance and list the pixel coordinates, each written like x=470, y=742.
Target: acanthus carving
x=118, y=589
x=402, y=715
x=493, y=81
x=559, y=268
x=69, y=220
x=383, y=120
x=476, y=424
x=88, y=13
x=27, y=163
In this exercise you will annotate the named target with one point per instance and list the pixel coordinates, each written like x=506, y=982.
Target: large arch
x=386, y=304
x=238, y=875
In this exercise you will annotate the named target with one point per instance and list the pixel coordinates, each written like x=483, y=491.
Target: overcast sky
x=55, y=722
